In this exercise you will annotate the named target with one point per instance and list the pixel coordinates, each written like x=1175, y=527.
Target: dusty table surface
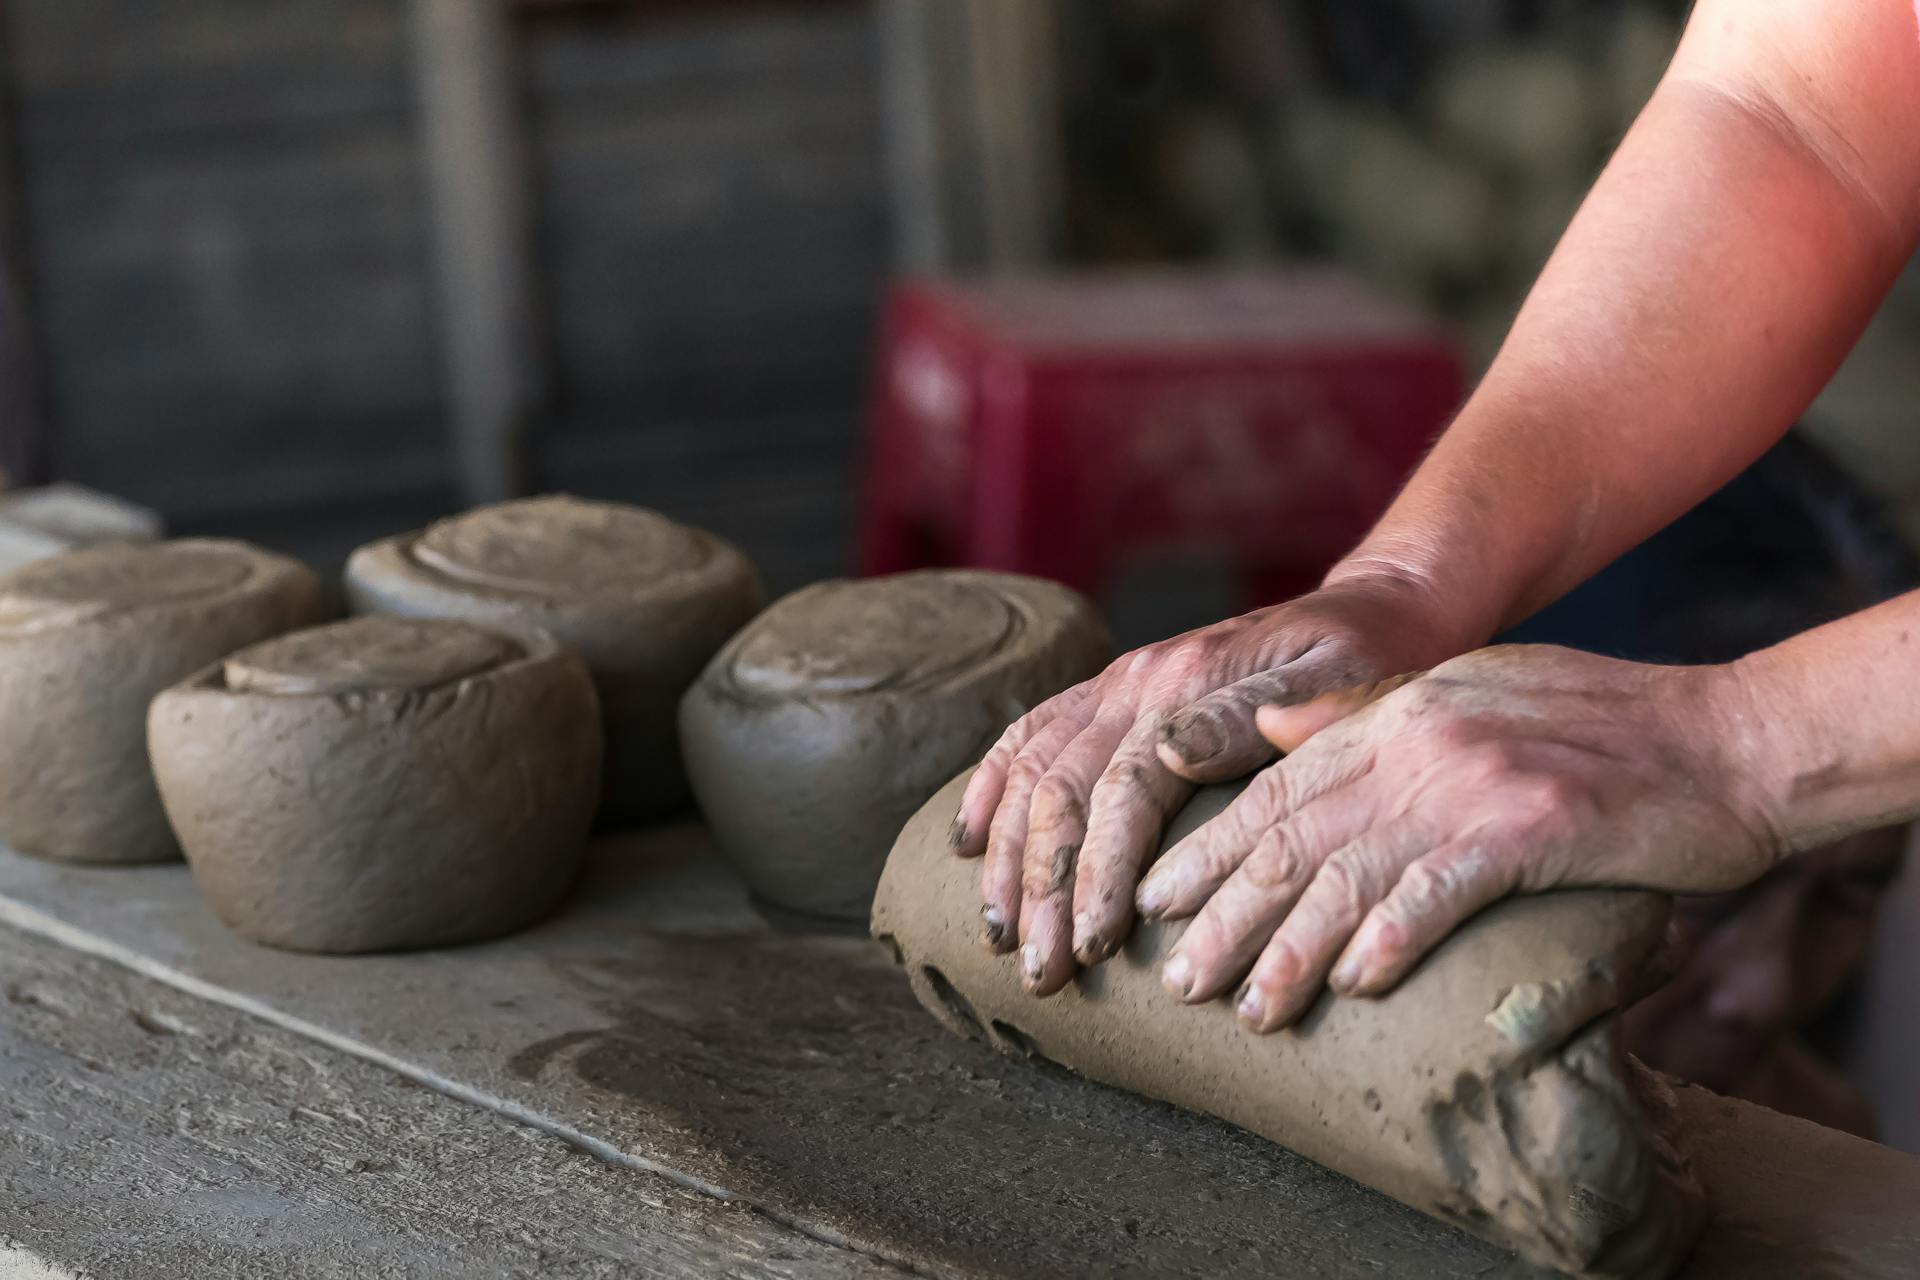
x=658, y=1029
x=151, y=1133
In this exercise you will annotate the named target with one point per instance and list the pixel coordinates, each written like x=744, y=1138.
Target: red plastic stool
x=1068, y=427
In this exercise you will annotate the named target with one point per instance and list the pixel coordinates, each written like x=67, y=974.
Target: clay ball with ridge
x=87, y=638
x=815, y=734
x=644, y=600
x=382, y=783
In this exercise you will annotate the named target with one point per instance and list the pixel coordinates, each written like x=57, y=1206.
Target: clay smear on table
x=382, y=783
x=644, y=600
x=1489, y=1089
x=87, y=638
x=833, y=716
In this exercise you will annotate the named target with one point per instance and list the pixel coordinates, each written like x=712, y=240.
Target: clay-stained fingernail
x=957, y=833
x=1154, y=897
x=1252, y=1006
x=1177, y=976
x=1194, y=740
x=1030, y=962
x=996, y=931
x=1089, y=946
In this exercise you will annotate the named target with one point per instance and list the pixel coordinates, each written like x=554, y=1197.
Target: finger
x=1433, y=897
x=1291, y=972
x=981, y=800
x=1127, y=811
x=1235, y=922
x=1056, y=830
x=1288, y=727
x=1215, y=738
x=1007, y=834
x=1187, y=874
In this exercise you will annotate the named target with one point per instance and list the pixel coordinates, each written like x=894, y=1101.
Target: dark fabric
x=1790, y=543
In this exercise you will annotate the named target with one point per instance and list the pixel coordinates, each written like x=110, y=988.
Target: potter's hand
x=1512, y=769
x=1072, y=799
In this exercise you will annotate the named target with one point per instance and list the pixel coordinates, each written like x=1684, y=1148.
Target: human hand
x=1071, y=800
x=1512, y=769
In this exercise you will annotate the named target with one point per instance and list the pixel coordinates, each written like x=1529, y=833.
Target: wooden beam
x=972, y=110
x=1017, y=112
x=26, y=444
x=478, y=195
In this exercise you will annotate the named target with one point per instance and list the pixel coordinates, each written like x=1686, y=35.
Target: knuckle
x=1279, y=967
x=1277, y=864
x=1195, y=654
x=1346, y=880
x=1057, y=801
x=1492, y=760
x=1126, y=777
x=1422, y=885
x=1278, y=789
x=1428, y=702
x=1028, y=770
x=1005, y=748
x=1047, y=870
x=1548, y=801
x=1234, y=918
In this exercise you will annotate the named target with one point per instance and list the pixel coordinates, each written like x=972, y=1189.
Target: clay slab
x=1489, y=1089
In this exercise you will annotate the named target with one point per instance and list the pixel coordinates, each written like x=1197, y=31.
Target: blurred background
x=310, y=272
x=267, y=259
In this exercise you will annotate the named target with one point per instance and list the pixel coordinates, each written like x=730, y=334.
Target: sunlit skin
x=1728, y=257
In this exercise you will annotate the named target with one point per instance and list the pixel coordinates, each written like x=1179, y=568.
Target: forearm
x=1708, y=288
x=1826, y=726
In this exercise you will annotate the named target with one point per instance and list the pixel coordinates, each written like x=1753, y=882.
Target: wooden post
x=480, y=206
x=25, y=436
x=1017, y=111
x=973, y=140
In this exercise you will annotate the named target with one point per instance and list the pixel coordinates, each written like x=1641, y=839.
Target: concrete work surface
x=655, y=1081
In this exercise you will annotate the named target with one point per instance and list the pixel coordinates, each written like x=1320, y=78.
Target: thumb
x=1287, y=727
x=1215, y=739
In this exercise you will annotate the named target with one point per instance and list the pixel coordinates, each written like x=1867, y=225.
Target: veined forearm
x=1827, y=724
x=1708, y=288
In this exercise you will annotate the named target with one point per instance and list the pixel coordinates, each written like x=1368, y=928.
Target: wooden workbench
x=656, y=1083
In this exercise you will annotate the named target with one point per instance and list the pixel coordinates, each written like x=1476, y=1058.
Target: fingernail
x=957, y=833
x=1030, y=962
x=1177, y=976
x=1152, y=898
x=1252, y=1007
x=996, y=935
x=1194, y=740
x=1346, y=975
x=1088, y=946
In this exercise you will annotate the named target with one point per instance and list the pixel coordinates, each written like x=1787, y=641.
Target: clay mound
x=382, y=783
x=87, y=638
x=826, y=722
x=644, y=600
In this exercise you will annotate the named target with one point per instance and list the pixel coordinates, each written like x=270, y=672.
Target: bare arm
x=1828, y=731
x=1746, y=229
x=1729, y=256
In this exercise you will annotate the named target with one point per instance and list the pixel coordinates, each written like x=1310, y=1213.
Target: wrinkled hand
x=1513, y=769
x=1071, y=800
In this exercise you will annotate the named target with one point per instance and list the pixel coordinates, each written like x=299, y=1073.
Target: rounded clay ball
x=87, y=638
x=644, y=600
x=382, y=783
x=820, y=728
